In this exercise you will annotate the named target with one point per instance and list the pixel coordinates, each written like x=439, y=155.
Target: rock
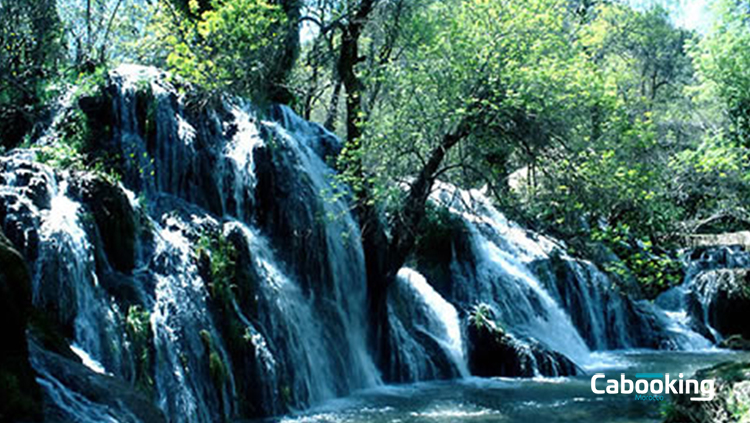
x=18, y=389
x=492, y=352
x=723, y=297
x=94, y=396
x=114, y=217
x=735, y=342
x=732, y=401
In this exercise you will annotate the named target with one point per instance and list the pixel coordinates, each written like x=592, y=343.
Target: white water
x=503, y=279
x=418, y=310
x=308, y=331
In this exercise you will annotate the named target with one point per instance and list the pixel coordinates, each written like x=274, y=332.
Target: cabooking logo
x=650, y=386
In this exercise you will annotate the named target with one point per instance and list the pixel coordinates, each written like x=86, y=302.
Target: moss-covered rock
x=18, y=389
x=120, y=400
x=114, y=217
x=493, y=352
x=731, y=404
x=735, y=342
x=442, y=241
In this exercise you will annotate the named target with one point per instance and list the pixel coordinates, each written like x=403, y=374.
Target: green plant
x=222, y=261
x=481, y=316
x=138, y=330
x=669, y=412
x=231, y=44
x=655, y=270
x=216, y=365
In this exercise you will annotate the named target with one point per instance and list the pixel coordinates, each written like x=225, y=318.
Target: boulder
x=493, y=352
x=94, y=396
x=731, y=404
x=735, y=342
x=18, y=389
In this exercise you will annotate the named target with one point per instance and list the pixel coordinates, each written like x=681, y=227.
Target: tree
x=30, y=51
x=245, y=47
x=460, y=77
x=723, y=62
x=88, y=27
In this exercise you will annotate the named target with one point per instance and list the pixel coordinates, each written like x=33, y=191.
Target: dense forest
x=604, y=125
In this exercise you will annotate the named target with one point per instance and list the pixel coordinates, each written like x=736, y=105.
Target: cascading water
x=426, y=329
x=290, y=329
x=502, y=278
x=306, y=330
x=540, y=293
x=692, y=306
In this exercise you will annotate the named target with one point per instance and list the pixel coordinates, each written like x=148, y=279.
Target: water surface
x=545, y=400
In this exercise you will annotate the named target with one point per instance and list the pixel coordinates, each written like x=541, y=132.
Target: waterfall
x=426, y=329
x=293, y=334
x=539, y=293
x=692, y=306
x=502, y=277
x=290, y=328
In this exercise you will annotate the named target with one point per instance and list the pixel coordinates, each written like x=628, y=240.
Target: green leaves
x=231, y=46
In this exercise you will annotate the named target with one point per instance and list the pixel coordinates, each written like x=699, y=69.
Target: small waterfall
x=298, y=334
x=182, y=327
x=426, y=329
x=692, y=306
x=502, y=277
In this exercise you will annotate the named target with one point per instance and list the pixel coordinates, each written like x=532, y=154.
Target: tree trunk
x=383, y=257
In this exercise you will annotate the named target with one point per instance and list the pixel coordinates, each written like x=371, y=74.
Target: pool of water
x=545, y=400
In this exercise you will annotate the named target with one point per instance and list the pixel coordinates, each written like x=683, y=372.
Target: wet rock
x=88, y=396
x=18, y=389
x=493, y=352
x=443, y=243
x=114, y=217
x=721, y=299
x=735, y=342
x=731, y=404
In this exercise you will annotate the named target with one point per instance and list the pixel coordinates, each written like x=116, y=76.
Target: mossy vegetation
x=221, y=257
x=216, y=366
x=482, y=317
x=140, y=335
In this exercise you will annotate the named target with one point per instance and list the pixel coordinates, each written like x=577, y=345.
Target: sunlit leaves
x=228, y=47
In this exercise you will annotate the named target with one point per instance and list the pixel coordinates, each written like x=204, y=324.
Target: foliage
x=138, y=329
x=72, y=134
x=495, y=70
x=30, y=52
x=482, y=316
x=222, y=259
x=655, y=270
x=228, y=46
x=72, y=141
x=723, y=62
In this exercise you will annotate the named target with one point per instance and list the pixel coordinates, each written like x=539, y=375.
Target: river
x=548, y=400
